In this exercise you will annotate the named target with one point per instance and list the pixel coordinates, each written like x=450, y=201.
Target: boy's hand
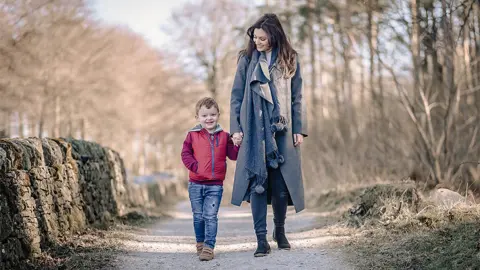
x=237, y=138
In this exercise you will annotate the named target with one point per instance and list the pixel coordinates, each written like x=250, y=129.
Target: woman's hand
x=297, y=139
x=237, y=138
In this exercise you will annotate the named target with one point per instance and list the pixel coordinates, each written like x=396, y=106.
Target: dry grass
x=394, y=226
x=95, y=248
x=435, y=238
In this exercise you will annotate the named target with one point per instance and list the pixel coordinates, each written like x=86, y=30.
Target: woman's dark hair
x=276, y=36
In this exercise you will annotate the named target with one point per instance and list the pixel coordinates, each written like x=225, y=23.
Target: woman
x=268, y=113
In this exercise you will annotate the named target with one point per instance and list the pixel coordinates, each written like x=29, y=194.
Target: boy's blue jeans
x=205, y=201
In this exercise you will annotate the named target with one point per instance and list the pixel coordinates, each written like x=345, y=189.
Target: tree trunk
x=311, y=41
x=142, y=156
x=476, y=71
x=449, y=51
x=372, y=40
x=56, y=124
x=158, y=156
x=347, y=80
x=212, y=75
x=362, y=78
x=41, y=120
x=25, y=124
x=21, y=124
x=415, y=45
x=381, y=94
x=449, y=89
x=5, y=133
x=319, y=94
x=319, y=97
x=435, y=71
x=83, y=127
x=467, y=56
x=335, y=75
x=28, y=125
x=69, y=132
x=288, y=17
x=474, y=45
x=35, y=127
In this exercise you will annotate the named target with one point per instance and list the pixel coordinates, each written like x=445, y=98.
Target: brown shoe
x=207, y=254
x=199, y=247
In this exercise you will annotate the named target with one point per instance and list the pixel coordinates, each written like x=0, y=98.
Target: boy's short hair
x=208, y=102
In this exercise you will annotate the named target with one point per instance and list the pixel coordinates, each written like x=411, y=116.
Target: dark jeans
x=258, y=202
x=205, y=201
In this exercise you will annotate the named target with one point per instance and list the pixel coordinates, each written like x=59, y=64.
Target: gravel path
x=169, y=244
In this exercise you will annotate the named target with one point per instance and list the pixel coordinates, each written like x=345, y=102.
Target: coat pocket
x=205, y=170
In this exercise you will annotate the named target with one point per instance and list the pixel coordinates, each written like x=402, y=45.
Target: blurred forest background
x=392, y=86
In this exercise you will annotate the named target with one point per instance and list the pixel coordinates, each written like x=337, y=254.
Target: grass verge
x=394, y=226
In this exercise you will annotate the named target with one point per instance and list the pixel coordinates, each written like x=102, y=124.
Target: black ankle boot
x=263, y=249
x=280, y=238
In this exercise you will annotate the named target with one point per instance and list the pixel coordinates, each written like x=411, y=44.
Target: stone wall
x=52, y=188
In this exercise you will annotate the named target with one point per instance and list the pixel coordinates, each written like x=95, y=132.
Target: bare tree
x=205, y=36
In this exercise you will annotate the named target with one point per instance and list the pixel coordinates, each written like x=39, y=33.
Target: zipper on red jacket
x=212, y=146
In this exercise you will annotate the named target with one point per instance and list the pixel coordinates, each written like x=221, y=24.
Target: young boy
x=204, y=153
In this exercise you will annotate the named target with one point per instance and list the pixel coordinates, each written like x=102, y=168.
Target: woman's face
x=260, y=38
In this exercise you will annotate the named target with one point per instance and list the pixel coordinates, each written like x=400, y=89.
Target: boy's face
x=208, y=118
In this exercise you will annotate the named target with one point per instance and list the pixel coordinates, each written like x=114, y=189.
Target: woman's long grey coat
x=290, y=94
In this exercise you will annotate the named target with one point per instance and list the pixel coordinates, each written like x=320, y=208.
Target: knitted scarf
x=264, y=121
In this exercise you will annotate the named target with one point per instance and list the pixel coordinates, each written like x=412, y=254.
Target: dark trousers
x=279, y=192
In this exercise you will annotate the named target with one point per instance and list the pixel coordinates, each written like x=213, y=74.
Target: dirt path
x=169, y=244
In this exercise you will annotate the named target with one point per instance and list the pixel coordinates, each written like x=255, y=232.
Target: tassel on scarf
x=279, y=124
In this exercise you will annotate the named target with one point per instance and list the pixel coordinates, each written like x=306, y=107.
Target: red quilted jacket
x=205, y=155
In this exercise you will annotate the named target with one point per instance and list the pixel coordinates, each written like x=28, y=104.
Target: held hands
x=297, y=139
x=237, y=138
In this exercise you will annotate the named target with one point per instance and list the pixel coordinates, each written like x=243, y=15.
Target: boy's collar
x=199, y=128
